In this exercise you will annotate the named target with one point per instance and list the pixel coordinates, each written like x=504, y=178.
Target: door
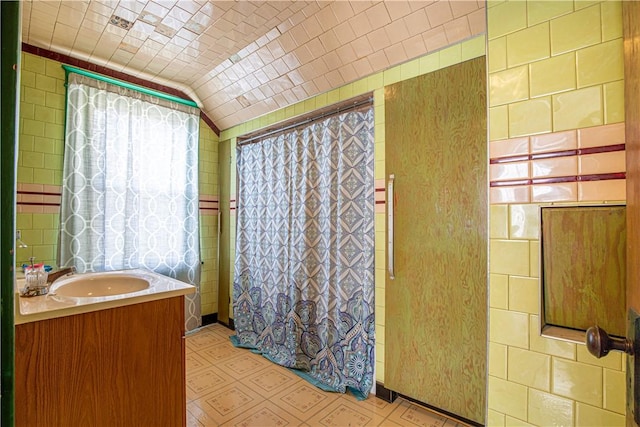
x=631, y=18
x=598, y=341
x=435, y=341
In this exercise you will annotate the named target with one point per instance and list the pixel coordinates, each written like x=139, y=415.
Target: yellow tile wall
x=40, y=149
x=553, y=66
x=468, y=49
x=40, y=157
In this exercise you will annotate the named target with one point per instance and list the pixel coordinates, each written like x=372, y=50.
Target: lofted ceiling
x=241, y=59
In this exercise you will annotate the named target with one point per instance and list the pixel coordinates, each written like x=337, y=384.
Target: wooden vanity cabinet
x=113, y=367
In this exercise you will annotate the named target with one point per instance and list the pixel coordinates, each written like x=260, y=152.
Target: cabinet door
x=121, y=366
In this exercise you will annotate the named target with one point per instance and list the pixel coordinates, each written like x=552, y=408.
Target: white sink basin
x=100, y=286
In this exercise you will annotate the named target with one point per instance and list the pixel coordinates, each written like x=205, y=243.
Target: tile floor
x=232, y=386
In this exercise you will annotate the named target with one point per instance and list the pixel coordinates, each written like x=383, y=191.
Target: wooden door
x=631, y=18
x=436, y=304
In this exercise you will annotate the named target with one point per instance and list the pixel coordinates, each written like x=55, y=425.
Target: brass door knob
x=599, y=343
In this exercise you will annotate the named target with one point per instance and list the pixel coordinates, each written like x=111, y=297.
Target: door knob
x=599, y=343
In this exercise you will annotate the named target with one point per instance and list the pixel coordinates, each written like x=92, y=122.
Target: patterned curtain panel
x=304, y=270
x=130, y=185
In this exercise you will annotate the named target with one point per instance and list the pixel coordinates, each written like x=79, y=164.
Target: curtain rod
x=340, y=109
x=69, y=69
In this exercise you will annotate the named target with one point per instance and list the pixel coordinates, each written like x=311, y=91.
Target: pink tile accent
x=608, y=190
x=35, y=188
x=380, y=208
x=57, y=189
x=602, y=163
x=563, y=192
x=50, y=209
x=598, y=136
x=508, y=147
x=558, y=141
x=31, y=198
x=560, y=166
x=31, y=208
x=509, y=171
x=500, y=195
x=52, y=199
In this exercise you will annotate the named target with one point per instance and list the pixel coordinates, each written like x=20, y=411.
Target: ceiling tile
x=397, y=9
x=327, y=19
x=435, y=39
x=395, y=54
x=378, y=16
x=463, y=7
x=243, y=58
x=439, y=13
x=416, y=22
x=360, y=24
x=414, y=46
x=379, y=38
x=362, y=47
x=397, y=31
x=458, y=29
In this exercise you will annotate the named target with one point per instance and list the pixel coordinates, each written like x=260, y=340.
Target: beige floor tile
x=195, y=362
x=388, y=423
x=303, y=400
x=202, y=339
x=233, y=386
x=344, y=412
x=244, y=364
x=265, y=414
x=225, y=403
x=223, y=331
x=374, y=404
x=218, y=353
x=408, y=414
x=206, y=380
x=272, y=380
x=192, y=420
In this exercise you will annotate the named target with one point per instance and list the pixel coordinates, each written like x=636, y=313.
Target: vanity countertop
x=31, y=309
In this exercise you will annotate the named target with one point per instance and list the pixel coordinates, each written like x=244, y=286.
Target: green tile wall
x=40, y=159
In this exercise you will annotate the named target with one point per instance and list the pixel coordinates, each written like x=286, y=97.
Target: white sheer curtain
x=130, y=184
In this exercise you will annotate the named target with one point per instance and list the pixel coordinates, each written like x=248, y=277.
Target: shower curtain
x=304, y=269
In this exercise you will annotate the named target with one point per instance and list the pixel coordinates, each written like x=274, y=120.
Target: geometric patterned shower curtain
x=130, y=185
x=303, y=290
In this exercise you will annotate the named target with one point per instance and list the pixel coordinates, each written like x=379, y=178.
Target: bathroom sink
x=98, y=286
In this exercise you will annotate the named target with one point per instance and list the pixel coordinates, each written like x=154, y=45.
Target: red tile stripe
x=556, y=154
x=559, y=179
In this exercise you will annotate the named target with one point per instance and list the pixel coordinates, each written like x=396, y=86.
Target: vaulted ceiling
x=241, y=59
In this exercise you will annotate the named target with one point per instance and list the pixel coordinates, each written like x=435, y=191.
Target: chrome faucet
x=52, y=277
